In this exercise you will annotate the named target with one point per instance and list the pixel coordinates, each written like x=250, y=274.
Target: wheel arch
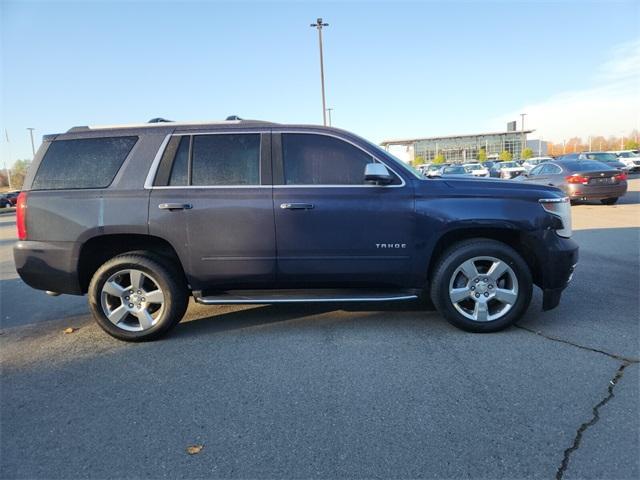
x=97, y=250
x=508, y=236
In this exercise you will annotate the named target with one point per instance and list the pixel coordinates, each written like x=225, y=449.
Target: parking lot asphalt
x=332, y=391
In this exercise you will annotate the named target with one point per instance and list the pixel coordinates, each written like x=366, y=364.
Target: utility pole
x=319, y=26
x=6, y=135
x=33, y=147
x=523, y=146
x=329, y=110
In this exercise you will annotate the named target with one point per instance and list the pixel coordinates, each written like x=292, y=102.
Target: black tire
x=169, y=279
x=609, y=201
x=459, y=253
x=5, y=204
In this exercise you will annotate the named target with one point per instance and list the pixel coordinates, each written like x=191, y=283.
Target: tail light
x=21, y=215
x=621, y=176
x=577, y=179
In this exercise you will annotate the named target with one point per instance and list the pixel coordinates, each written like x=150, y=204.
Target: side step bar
x=304, y=296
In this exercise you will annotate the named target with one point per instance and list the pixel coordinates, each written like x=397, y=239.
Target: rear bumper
x=596, y=191
x=48, y=266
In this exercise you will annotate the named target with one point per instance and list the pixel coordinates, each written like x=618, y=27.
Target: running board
x=304, y=296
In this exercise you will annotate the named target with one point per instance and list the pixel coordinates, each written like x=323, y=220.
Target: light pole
x=523, y=145
x=8, y=170
x=319, y=26
x=33, y=147
x=329, y=110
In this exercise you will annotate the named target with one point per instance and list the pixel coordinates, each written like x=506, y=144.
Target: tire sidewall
x=455, y=257
x=163, y=278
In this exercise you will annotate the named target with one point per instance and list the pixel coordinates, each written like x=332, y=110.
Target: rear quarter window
x=82, y=163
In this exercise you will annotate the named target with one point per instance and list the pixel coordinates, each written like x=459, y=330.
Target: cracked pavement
x=332, y=391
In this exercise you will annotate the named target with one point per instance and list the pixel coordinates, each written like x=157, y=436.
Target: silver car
x=581, y=179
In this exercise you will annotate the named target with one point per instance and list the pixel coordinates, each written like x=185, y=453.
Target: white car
x=506, y=170
x=630, y=158
x=476, y=169
x=529, y=163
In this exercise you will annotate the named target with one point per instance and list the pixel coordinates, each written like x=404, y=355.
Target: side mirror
x=377, y=172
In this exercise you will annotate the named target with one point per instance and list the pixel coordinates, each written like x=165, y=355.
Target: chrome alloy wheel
x=132, y=300
x=483, y=289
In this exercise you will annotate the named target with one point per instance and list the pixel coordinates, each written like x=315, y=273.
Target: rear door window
x=82, y=163
x=226, y=159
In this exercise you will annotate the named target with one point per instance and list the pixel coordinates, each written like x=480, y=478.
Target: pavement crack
x=620, y=358
x=594, y=419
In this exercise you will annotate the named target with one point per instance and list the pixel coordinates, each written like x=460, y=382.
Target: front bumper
x=556, y=259
x=49, y=266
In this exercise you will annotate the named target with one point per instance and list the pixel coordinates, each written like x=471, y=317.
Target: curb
x=6, y=211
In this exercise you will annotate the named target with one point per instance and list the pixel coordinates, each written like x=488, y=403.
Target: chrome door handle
x=296, y=206
x=175, y=206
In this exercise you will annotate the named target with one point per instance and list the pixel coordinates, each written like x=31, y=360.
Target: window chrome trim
x=153, y=170
x=148, y=184
x=328, y=134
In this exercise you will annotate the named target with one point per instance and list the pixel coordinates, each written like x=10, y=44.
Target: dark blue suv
x=141, y=217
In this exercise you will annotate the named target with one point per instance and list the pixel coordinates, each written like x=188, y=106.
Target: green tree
x=631, y=144
x=18, y=173
x=527, y=153
x=482, y=155
x=419, y=160
x=438, y=159
x=505, y=156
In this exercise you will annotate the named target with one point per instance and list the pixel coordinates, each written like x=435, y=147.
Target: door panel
x=226, y=235
x=345, y=235
x=351, y=236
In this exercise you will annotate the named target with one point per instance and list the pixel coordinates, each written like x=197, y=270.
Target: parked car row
x=582, y=176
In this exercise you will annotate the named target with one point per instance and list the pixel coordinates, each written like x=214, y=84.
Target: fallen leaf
x=194, y=449
x=70, y=330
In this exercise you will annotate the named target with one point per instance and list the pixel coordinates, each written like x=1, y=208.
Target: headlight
x=561, y=208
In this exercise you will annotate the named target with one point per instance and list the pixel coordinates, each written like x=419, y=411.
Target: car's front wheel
x=481, y=285
x=136, y=297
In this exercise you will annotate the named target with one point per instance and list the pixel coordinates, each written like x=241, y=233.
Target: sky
x=392, y=69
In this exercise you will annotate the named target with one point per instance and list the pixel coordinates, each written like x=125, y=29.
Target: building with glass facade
x=462, y=148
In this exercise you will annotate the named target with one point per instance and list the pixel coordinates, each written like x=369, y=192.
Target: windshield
x=509, y=165
x=474, y=166
x=455, y=170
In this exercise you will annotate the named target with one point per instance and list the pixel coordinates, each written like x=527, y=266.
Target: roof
x=407, y=141
x=165, y=124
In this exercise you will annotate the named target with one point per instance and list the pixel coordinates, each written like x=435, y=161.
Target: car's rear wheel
x=609, y=201
x=481, y=285
x=136, y=297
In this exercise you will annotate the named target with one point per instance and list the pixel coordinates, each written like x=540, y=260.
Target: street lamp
x=319, y=26
x=523, y=145
x=33, y=147
x=329, y=110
